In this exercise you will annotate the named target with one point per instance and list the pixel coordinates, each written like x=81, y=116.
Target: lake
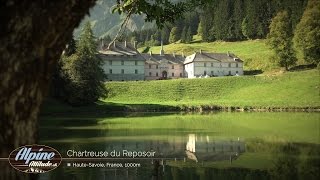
x=222, y=145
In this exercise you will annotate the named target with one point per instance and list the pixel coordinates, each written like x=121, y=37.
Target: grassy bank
x=292, y=90
x=255, y=53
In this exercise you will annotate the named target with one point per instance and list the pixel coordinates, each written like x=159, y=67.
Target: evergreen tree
x=280, y=39
x=85, y=72
x=183, y=35
x=206, y=28
x=189, y=35
x=199, y=31
x=244, y=28
x=173, y=35
x=165, y=33
x=238, y=16
x=307, y=33
x=251, y=20
x=223, y=21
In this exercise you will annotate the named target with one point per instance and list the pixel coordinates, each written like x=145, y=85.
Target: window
x=172, y=74
x=237, y=72
x=205, y=72
x=211, y=64
x=229, y=72
x=110, y=71
x=205, y=64
x=211, y=72
x=172, y=66
x=237, y=65
x=136, y=71
x=136, y=63
x=110, y=63
x=149, y=66
x=157, y=67
x=180, y=74
x=157, y=74
x=122, y=62
x=122, y=71
x=229, y=64
x=150, y=73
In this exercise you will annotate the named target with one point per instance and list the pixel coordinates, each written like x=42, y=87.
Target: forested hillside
x=227, y=20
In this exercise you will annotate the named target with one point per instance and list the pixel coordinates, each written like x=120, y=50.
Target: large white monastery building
x=122, y=62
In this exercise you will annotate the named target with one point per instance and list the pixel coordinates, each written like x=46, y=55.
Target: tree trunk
x=32, y=35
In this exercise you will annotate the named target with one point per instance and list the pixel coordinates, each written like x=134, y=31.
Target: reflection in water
x=187, y=148
x=213, y=150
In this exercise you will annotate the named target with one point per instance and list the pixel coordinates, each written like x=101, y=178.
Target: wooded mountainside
x=227, y=20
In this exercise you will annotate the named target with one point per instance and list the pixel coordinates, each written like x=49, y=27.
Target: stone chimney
x=161, y=51
x=114, y=43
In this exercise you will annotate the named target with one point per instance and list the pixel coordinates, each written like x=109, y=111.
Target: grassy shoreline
x=291, y=91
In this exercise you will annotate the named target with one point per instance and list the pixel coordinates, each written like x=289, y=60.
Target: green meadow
x=298, y=89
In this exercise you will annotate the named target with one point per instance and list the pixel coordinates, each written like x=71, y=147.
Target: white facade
x=163, y=66
x=122, y=62
x=124, y=69
x=205, y=64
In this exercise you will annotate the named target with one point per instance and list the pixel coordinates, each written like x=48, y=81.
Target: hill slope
x=255, y=53
x=292, y=89
x=105, y=23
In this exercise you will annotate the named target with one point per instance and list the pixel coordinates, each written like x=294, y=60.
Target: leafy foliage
x=81, y=72
x=280, y=39
x=307, y=34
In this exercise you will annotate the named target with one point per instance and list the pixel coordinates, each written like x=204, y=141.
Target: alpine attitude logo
x=35, y=158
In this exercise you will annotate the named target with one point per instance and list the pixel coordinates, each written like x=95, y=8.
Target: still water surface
x=189, y=146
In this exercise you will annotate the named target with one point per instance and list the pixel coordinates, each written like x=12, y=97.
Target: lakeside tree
x=84, y=71
x=59, y=79
x=280, y=40
x=307, y=33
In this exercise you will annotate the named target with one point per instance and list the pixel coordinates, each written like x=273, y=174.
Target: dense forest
x=227, y=20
